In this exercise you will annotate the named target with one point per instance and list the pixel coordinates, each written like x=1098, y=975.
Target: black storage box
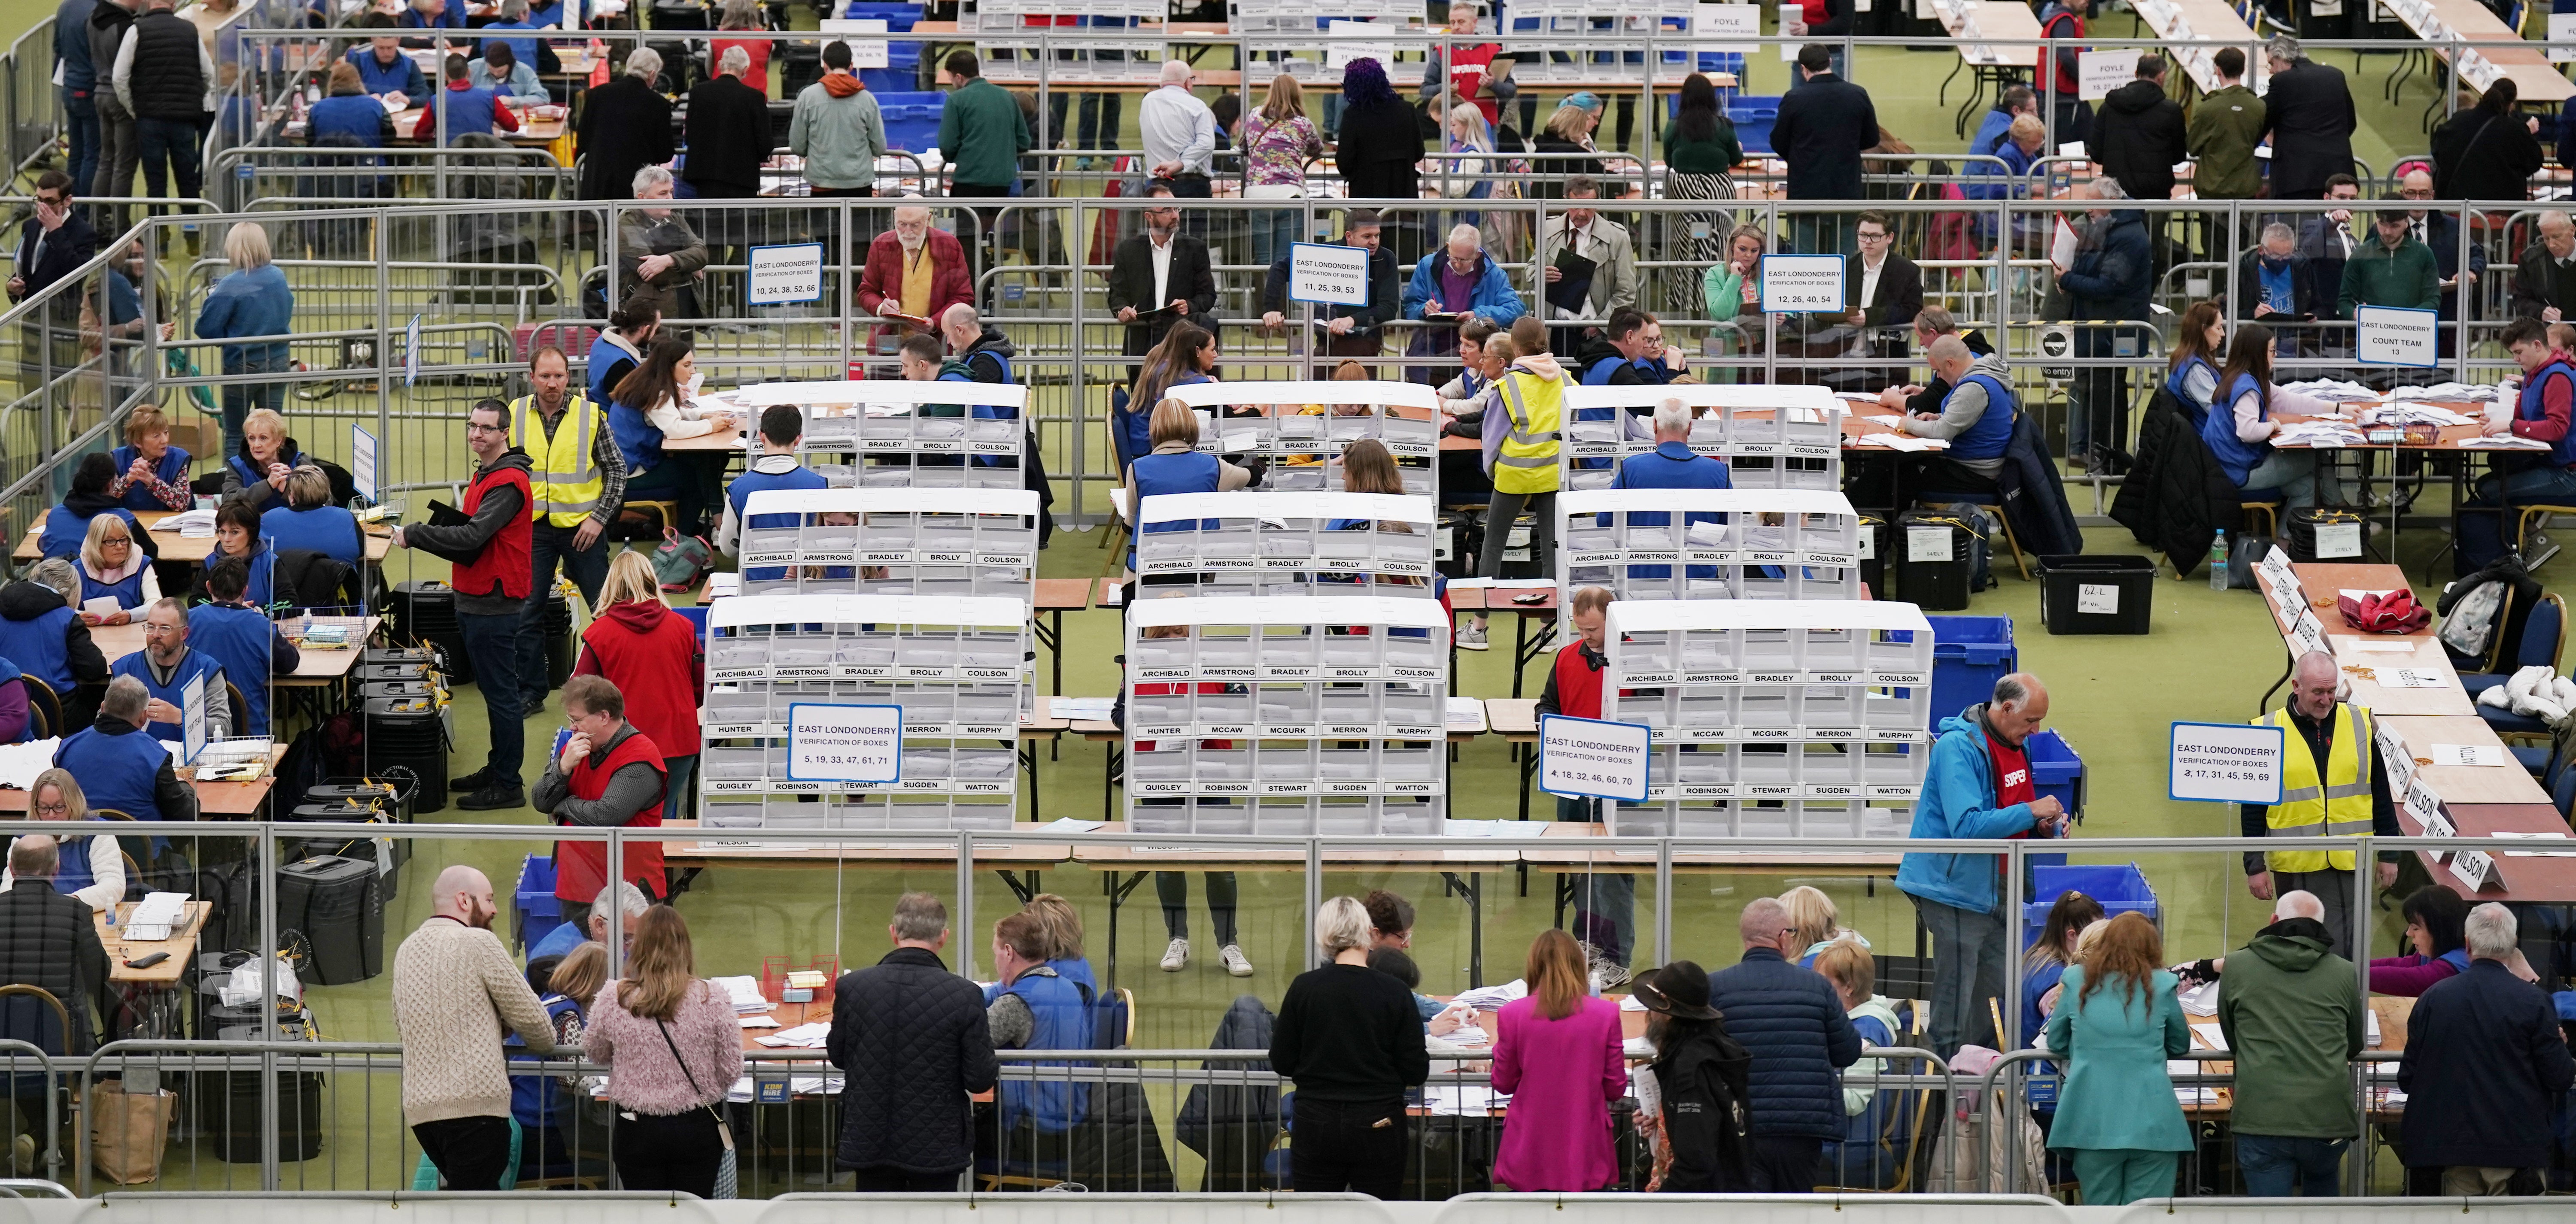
x=2083, y=594
x=1931, y=584
x=2321, y=534
x=227, y=1102
x=338, y=903
x=407, y=735
x=425, y=613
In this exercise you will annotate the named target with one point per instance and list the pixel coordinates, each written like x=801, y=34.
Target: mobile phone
x=148, y=962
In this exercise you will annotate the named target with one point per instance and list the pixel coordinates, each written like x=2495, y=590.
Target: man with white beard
x=915, y=272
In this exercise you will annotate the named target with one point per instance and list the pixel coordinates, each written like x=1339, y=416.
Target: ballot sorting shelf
x=1772, y=718
x=943, y=542
x=1772, y=437
x=1769, y=544
x=1286, y=715
x=1246, y=543
x=899, y=434
x=1272, y=420
x=958, y=668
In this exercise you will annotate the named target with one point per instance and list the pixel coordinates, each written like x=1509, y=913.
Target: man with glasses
x=1629, y=352
x=2440, y=231
x=914, y=273
x=1588, y=262
x=167, y=667
x=56, y=240
x=589, y=922
x=1884, y=291
x=1160, y=277
x=491, y=553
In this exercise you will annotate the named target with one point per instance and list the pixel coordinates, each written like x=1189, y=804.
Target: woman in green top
x=2116, y=1024
x=1732, y=292
x=1699, y=149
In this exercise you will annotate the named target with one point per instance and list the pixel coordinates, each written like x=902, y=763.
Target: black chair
x=44, y=709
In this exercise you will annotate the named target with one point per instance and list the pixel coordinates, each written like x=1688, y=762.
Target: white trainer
x=1236, y=962
x=1175, y=956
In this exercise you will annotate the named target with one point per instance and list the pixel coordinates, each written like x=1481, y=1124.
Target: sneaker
x=1236, y=962
x=1471, y=638
x=495, y=798
x=22, y=1155
x=474, y=781
x=1176, y=956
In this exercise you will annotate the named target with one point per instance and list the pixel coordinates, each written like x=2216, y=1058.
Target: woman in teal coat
x=2116, y=1023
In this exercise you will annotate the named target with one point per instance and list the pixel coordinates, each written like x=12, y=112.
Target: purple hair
x=1364, y=83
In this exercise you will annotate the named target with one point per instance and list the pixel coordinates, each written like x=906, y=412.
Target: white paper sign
x=2414, y=678
x=2097, y=73
x=844, y=743
x=2473, y=868
x=411, y=351
x=2562, y=37
x=864, y=52
x=1802, y=282
x=2336, y=541
x=1711, y=21
x=2225, y=763
x=362, y=461
x=192, y=718
x=2309, y=633
x=781, y=274
x=2473, y=755
x=1339, y=50
x=1589, y=757
x=2393, y=335
x=1329, y=275
x=2275, y=565
x=1928, y=544
x=2102, y=598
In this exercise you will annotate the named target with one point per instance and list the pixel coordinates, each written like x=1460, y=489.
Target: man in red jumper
x=490, y=550
x=1605, y=904
x=610, y=774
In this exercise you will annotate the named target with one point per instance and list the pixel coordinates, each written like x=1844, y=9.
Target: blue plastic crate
x=1969, y=653
x=2121, y=889
x=911, y=119
x=2057, y=771
x=538, y=912
x=902, y=73
x=696, y=615
x=898, y=17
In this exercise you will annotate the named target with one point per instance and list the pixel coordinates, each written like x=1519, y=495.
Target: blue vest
x=381, y=78
x=1192, y=472
x=251, y=477
x=37, y=647
x=537, y=1101
x=9, y=674
x=2238, y=457
x=468, y=110
x=2562, y=452
x=128, y=593
x=1993, y=431
x=263, y=566
x=355, y=116
x=65, y=530
x=329, y=530
x=196, y=663
x=116, y=771
x=523, y=49
x=173, y=468
x=1600, y=372
x=244, y=644
x=603, y=354
x=71, y=868
x=637, y=438
x=1671, y=465
x=2192, y=410
x=740, y=491
x=1061, y=1010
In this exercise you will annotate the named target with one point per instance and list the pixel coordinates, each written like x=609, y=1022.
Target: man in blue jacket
x=385, y=70
x=2109, y=280
x=1792, y=1022
x=2485, y=1065
x=1456, y=284
x=78, y=87
x=1978, y=787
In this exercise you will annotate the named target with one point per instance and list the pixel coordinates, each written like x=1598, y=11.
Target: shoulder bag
x=726, y=1184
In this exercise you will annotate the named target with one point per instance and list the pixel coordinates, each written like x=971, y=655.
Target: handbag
x=726, y=1183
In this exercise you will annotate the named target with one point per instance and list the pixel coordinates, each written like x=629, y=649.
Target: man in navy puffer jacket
x=1791, y=1021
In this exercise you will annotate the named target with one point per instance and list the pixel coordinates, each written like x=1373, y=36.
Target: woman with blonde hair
x=308, y=520
x=1568, y=132
x=255, y=470
x=652, y=655
x=1857, y=1159
x=1174, y=465
x=674, y=1049
x=113, y=565
x=1815, y=920
x=1351, y=1039
x=1558, y=1055
x=151, y=474
x=1063, y=927
x=2117, y=1022
x=90, y=867
x=1278, y=140
x=543, y=1105
x=253, y=300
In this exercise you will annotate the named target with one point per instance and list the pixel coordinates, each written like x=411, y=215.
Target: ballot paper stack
x=2335, y=391
x=743, y=993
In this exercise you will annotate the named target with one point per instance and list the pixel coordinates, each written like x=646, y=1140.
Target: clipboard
x=443, y=515
x=916, y=322
x=1147, y=316
x=2061, y=245
x=1574, y=288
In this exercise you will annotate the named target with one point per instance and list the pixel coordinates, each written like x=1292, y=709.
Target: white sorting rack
x=1005, y=34
x=1252, y=543
x=943, y=542
x=1771, y=436
x=958, y=667
x=937, y=435
x=1774, y=544
x=1290, y=716
x=1772, y=719
x=1271, y=419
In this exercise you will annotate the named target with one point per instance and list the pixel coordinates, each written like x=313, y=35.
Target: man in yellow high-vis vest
x=1523, y=409
x=577, y=480
x=2333, y=784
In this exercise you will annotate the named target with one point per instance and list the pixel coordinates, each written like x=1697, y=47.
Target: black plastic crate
x=2087, y=594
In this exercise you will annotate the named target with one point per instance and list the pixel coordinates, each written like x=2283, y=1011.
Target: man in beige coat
x=455, y=987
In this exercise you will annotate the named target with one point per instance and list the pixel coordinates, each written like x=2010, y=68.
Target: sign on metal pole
x=1590, y=758
x=1802, y=283
x=2225, y=763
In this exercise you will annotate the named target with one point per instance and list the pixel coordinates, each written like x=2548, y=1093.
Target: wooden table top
x=182, y=946
x=2536, y=79
x=2509, y=783
x=723, y=438
x=885, y=853
x=2514, y=879
x=2322, y=580
x=1513, y=718
x=175, y=547
x=2212, y=22
x=1475, y=599
x=1471, y=854
x=315, y=667
x=1996, y=19
x=532, y=133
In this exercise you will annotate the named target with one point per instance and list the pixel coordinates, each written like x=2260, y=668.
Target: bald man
x=455, y=987
x=1978, y=786
x=2544, y=279
x=1793, y=1023
x=2292, y=1013
x=2333, y=784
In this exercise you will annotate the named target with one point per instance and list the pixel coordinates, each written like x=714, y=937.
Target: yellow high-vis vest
x=565, y=481
x=2337, y=805
x=1526, y=463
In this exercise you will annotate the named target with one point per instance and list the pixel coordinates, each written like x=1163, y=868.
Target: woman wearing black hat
x=1699, y=1073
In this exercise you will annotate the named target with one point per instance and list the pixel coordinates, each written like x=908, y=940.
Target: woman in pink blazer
x=1557, y=1054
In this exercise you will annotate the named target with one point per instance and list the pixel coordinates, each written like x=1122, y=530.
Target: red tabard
x=2011, y=763
x=581, y=868
x=2067, y=86
x=503, y=564
x=652, y=670
x=1468, y=69
x=1578, y=686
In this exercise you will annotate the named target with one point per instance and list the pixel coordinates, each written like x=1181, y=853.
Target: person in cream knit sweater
x=455, y=987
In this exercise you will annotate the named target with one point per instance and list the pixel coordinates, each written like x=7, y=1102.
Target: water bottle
x=2218, y=563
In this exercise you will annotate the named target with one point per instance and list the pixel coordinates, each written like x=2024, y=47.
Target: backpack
x=2485, y=609
x=682, y=561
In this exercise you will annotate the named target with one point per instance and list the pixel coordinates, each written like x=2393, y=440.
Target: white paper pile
x=1492, y=998
x=1904, y=443
x=1082, y=709
x=1463, y=1100
x=2322, y=434
x=2190, y=1094
x=2414, y=414
x=2334, y=390
x=1464, y=714
x=197, y=523
x=2201, y=1000
x=2476, y=393
x=2502, y=442
x=801, y=1037
x=2535, y=853
x=744, y=992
